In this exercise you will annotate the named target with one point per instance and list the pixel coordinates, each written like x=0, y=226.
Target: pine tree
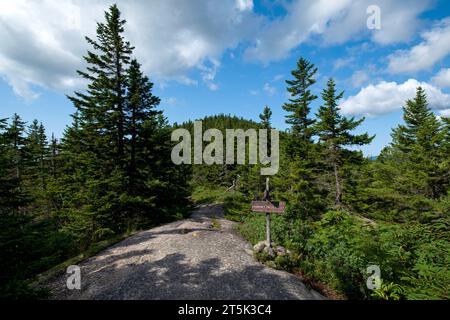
x=419, y=142
x=140, y=109
x=72, y=141
x=445, y=148
x=54, y=152
x=102, y=108
x=334, y=132
x=15, y=136
x=421, y=127
x=97, y=140
x=12, y=220
x=445, y=141
x=9, y=180
x=297, y=176
x=265, y=118
x=43, y=155
x=299, y=106
x=36, y=155
x=256, y=183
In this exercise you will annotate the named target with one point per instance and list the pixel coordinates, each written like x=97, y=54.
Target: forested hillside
x=111, y=174
x=347, y=212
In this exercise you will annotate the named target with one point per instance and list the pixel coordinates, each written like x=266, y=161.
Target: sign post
x=268, y=207
x=268, y=237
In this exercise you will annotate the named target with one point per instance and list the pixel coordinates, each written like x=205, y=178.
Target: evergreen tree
x=15, y=137
x=419, y=141
x=266, y=123
x=252, y=179
x=12, y=199
x=266, y=118
x=72, y=141
x=445, y=144
x=297, y=178
x=421, y=128
x=445, y=156
x=102, y=108
x=54, y=152
x=334, y=132
x=140, y=109
x=112, y=153
x=36, y=155
x=97, y=140
x=10, y=193
x=299, y=108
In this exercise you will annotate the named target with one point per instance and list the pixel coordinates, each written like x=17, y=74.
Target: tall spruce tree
x=54, y=152
x=334, y=132
x=10, y=191
x=102, y=108
x=445, y=154
x=265, y=118
x=299, y=107
x=97, y=140
x=12, y=220
x=419, y=141
x=36, y=155
x=118, y=142
x=252, y=178
x=445, y=144
x=421, y=128
x=140, y=110
x=298, y=158
x=266, y=123
x=15, y=136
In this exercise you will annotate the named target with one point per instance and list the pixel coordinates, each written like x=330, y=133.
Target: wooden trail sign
x=268, y=207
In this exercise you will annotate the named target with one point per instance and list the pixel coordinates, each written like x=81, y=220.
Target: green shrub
x=390, y=291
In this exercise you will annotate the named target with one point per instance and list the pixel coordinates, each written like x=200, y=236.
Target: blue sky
x=234, y=56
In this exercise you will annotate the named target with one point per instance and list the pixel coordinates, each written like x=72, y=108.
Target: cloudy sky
x=233, y=56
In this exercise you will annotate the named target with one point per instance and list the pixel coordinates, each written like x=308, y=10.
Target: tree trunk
x=17, y=158
x=133, y=166
x=268, y=237
x=121, y=117
x=338, y=184
x=337, y=177
x=53, y=162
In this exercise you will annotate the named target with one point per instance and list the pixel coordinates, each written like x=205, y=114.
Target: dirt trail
x=189, y=259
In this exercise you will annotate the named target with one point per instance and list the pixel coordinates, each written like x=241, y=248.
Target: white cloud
x=359, y=78
x=244, y=5
x=398, y=21
x=212, y=86
x=434, y=47
x=336, y=22
x=43, y=41
x=340, y=63
x=209, y=73
x=270, y=90
x=278, y=77
x=445, y=113
x=276, y=39
x=171, y=101
x=442, y=78
x=40, y=44
x=386, y=97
